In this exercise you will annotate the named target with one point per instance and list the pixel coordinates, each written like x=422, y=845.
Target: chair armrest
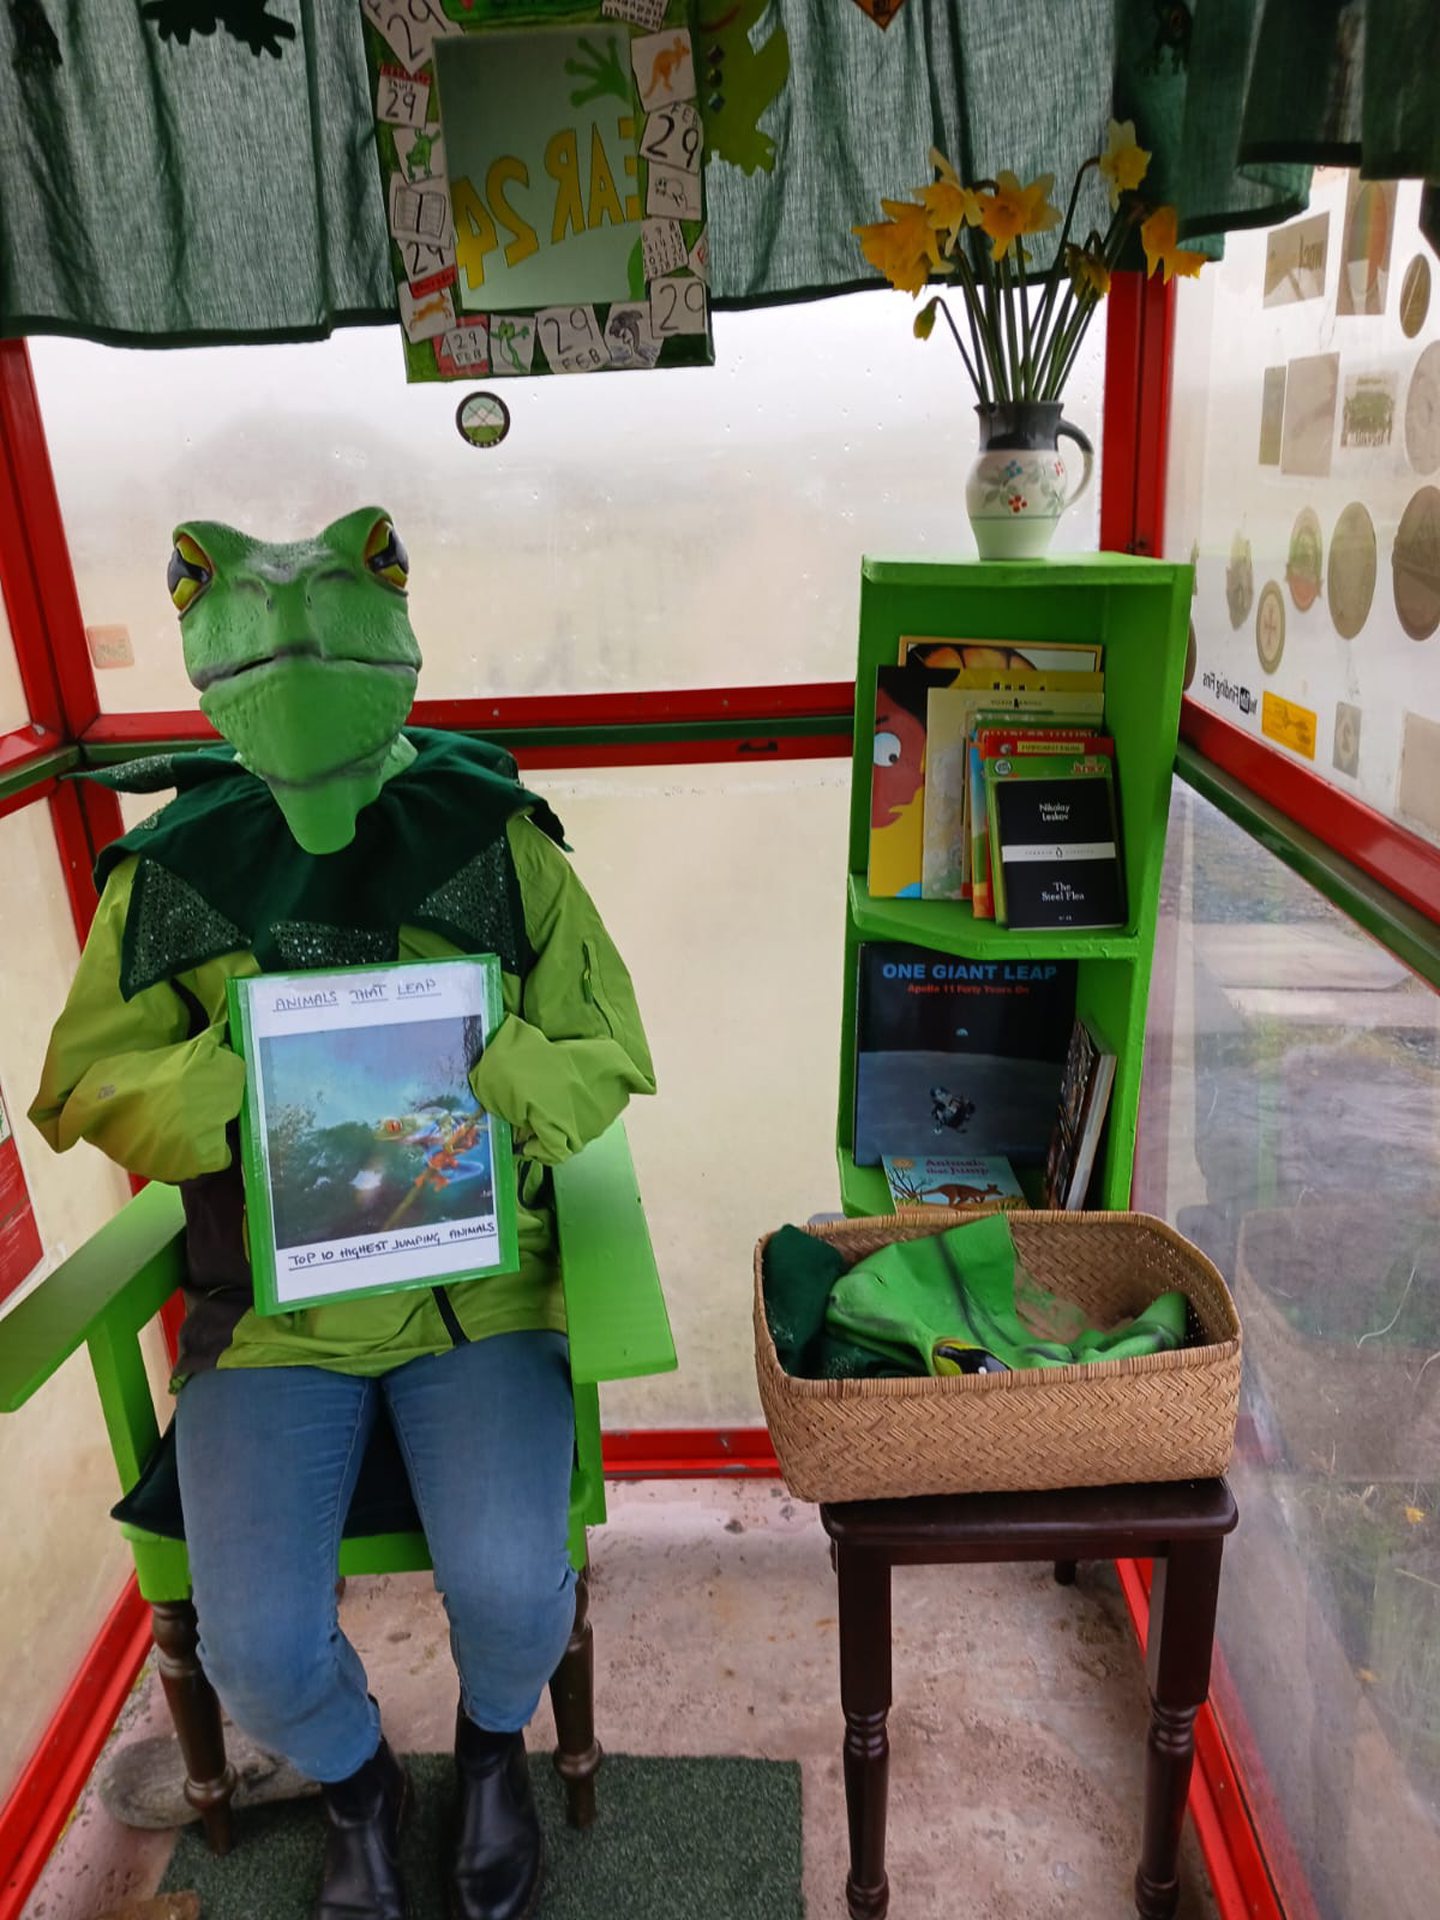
x=121, y=1277
x=619, y=1328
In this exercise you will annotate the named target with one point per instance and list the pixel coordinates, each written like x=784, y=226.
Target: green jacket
x=152, y=1082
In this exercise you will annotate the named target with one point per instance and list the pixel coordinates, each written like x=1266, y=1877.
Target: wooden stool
x=1182, y=1525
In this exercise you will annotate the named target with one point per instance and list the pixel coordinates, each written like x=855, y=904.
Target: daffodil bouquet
x=1024, y=330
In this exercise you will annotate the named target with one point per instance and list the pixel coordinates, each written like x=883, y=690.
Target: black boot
x=497, y=1856
x=363, y=1818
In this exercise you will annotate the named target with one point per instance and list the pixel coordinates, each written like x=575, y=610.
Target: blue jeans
x=268, y=1460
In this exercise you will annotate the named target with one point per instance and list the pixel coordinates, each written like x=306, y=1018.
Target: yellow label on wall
x=1292, y=726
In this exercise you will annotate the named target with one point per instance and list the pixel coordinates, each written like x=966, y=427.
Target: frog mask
x=303, y=658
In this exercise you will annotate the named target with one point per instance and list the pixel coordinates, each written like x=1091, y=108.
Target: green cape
x=219, y=870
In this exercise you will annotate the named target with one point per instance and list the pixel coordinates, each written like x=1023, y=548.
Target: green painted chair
x=105, y=1294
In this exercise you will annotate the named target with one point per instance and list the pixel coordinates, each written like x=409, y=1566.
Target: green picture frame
x=369, y=1166
x=543, y=169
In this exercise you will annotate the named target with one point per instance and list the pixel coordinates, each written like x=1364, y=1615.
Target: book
x=897, y=780
x=950, y=715
x=1054, y=851
x=996, y=742
x=939, y=1180
x=368, y=1163
x=1084, y=1097
x=958, y=1055
x=1003, y=656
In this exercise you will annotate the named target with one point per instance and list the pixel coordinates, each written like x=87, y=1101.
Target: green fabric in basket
x=926, y=1306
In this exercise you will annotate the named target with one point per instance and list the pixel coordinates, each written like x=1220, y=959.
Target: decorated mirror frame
x=544, y=175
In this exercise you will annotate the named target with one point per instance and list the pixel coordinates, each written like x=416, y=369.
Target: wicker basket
x=1167, y=1416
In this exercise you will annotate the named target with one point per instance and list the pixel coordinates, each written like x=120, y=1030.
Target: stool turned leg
x=209, y=1778
x=864, y=1609
x=1065, y=1571
x=1182, y=1633
x=572, y=1695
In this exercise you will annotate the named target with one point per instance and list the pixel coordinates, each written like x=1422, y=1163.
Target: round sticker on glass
x=1270, y=626
x=483, y=419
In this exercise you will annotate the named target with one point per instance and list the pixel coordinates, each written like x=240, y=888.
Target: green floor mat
x=675, y=1840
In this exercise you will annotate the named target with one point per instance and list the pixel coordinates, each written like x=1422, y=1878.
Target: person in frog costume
x=324, y=834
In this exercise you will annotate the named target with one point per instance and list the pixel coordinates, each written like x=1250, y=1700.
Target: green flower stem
x=1072, y=346
x=1028, y=369
x=980, y=275
x=1016, y=364
x=974, y=306
x=1058, y=264
x=969, y=364
x=976, y=335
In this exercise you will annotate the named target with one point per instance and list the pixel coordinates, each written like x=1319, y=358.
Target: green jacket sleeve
x=126, y=1075
x=563, y=1068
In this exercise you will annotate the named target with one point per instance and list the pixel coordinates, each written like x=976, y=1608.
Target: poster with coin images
x=544, y=184
x=1305, y=484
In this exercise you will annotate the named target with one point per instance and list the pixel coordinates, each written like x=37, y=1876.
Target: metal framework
x=1270, y=795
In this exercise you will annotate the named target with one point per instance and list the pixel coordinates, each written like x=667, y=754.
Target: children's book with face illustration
x=369, y=1164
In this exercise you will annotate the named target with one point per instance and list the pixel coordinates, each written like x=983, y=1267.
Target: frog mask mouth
x=304, y=659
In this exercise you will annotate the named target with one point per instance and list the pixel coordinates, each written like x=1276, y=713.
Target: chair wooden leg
x=195, y=1709
x=572, y=1695
x=1183, y=1594
x=864, y=1610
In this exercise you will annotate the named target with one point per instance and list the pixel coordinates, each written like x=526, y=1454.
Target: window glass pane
x=691, y=528
x=13, y=710
x=1305, y=477
x=1291, y=1127
x=64, y=1559
x=721, y=887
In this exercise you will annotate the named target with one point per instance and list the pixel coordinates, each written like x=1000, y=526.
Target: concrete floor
x=1017, y=1734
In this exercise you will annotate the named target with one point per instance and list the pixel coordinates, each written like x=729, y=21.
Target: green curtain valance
x=160, y=193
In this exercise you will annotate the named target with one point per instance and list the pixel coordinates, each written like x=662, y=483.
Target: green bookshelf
x=1139, y=611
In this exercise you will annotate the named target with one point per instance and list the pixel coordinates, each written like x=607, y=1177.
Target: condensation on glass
x=65, y=1559
x=690, y=528
x=1291, y=1127
x=1305, y=479
x=718, y=885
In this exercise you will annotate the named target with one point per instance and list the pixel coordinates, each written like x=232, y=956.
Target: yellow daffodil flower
x=1157, y=236
x=948, y=205
x=905, y=248
x=1123, y=163
x=1088, y=272
x=1012, y=210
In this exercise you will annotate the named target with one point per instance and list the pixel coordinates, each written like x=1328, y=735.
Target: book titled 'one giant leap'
x=1054, y=848
x=956, y=1055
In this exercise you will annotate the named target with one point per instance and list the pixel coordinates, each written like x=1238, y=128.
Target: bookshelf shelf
x=949, y=926
x=1138, y=610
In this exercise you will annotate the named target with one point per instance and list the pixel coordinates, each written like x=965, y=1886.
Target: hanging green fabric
x=1349, y=83
x=175, y=173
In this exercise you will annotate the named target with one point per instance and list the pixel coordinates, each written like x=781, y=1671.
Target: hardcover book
x=998, y=742
x=1003, y=656
x=369, y=1164
x=1084, y=1097
x=953, y=1181
x=897, y=780
x=1054, y=851
x=957, y=1055
x=1056, y=698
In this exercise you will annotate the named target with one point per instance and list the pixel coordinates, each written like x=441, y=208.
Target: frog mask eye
x=189, y=572
x=386, y=557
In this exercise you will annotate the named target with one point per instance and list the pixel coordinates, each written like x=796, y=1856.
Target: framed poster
x=369, y=1165
x=544, y=175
